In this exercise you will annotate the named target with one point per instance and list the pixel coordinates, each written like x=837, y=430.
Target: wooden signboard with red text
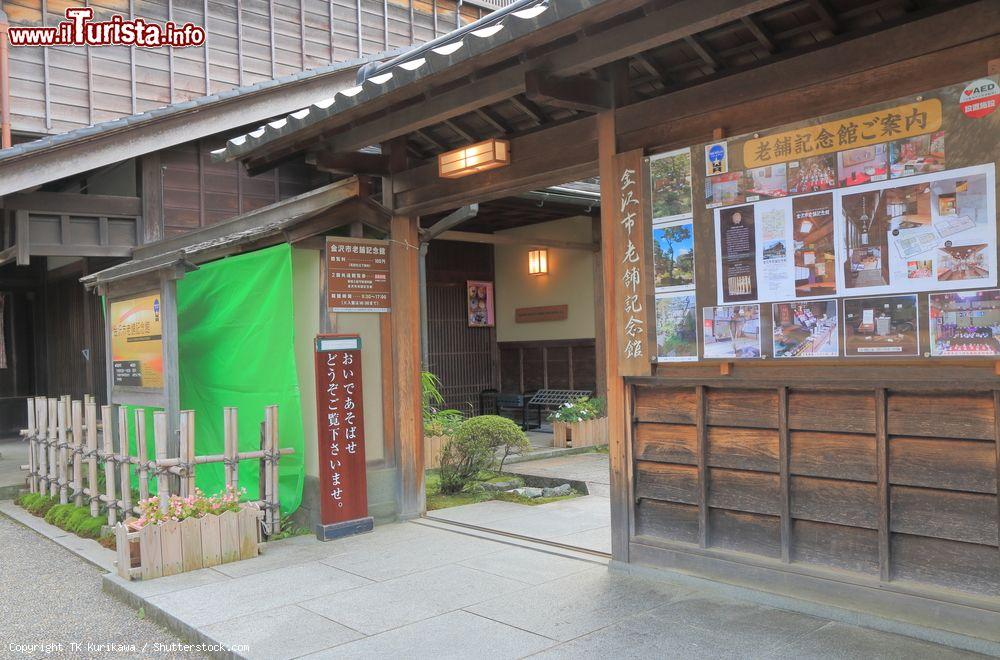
x=340, y=418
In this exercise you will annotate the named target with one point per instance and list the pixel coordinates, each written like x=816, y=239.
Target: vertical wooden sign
x=341, y=434
x=633, y=267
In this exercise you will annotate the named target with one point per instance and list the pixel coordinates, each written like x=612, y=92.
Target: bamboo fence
x=70, y=444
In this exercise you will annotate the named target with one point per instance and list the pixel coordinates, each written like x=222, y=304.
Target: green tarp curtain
x=236, y=325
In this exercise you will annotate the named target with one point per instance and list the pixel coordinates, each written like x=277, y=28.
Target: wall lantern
x=538, y=262
x=474, y=158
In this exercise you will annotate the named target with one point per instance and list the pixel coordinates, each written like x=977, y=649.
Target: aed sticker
x=980, y=98
x=716, y=158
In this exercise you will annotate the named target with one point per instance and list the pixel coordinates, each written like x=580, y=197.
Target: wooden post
x=171, y=376
x=91, y=421
x=142, y=451
x=77, y=415
x=52, y=443
x=271, y=469
x=123, y=464
x=230, y=445
x=109, y=466
x=63, y=472
x=187, y=452
x=404, y=276
x=32, y=442
x=160, y=446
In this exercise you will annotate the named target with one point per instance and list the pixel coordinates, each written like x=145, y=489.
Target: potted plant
x=187, y=533
x=439, y=424
x=580, y=423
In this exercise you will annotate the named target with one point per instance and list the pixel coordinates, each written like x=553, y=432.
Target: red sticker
x=980, y=98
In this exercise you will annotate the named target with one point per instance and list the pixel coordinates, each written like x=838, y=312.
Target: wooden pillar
x=404, y=276
x=171, y=369
x=607, y=147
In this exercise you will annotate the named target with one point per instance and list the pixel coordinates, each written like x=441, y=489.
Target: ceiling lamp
x=474, y=158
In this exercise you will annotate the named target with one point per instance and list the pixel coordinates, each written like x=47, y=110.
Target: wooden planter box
x=580, y=434
x=433, y=444
x=176, y=547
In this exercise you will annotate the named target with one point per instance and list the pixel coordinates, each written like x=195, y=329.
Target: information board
x=357, y=275
x=341, y=429
x=137, y=342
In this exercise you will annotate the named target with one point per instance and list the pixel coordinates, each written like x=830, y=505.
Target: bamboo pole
x=41, y=418
x=91, y=422
x=32, y=440
x=109, y=466
x=142, y=467
x=231, y=446
x=77, y=445
x=271, y=478
x=53, y=439
x=123, y=449
x=160, y=446
x=187, y=452
x=64, y=402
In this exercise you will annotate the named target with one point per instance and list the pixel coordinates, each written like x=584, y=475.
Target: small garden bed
x=68, y=517
x=477, y=492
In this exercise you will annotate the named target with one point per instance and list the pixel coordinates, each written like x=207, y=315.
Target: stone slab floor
x=417, y=590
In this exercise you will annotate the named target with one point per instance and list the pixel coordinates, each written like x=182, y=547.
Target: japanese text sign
x=341, y=429
x=631, y=212
x=357, y=275
x=830, y=137
x=136, y=342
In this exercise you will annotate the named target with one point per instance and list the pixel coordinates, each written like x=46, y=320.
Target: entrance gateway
x=812, y=407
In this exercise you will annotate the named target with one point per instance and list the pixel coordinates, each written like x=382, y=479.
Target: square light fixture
x=538, y=261
x=474, y=158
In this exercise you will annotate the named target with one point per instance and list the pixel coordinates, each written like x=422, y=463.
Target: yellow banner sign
x=137, y=342
x=859, y=131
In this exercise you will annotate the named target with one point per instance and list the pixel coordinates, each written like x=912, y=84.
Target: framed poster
x=731, y=332
x=479, y=297
x=673, y=255
x=805, y=329
x=965, y=323
x=136, y=341
x=881, y=326
x=670, y=174
x=676, y=327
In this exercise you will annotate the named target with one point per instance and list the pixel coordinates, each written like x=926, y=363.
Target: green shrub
x=462, y=459
x=502, y=435
x=40, y=504
x=57, y=514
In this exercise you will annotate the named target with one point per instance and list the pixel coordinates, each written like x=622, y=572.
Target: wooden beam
x=343, y=214
x=662, y=25
x=528, y=108
x=652, y=67
x=698, y=45
x=826, y=14
x=509, y=239
x=74, y=203
x=355, y=162
x=494, y=120
x=759, y=33
x=576, y=93
x=888, y=61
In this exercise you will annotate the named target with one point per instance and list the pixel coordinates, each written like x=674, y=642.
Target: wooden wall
x=188, y=190
x=895, y=483
x=464, y=358
x=526, y=366
x=58, y=89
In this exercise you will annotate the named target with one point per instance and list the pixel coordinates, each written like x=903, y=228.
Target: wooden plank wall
x=887, y=483
x=527, y=366
x=464, y=358
x=196, y=192
x=54, y=90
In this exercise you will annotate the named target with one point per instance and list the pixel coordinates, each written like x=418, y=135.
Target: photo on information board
x=806, y=329
x=676, y=327
x=881, y=326
x=732, y=331
x=965, y=323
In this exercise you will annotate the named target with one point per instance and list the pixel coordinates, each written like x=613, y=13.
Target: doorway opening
x=512, y=323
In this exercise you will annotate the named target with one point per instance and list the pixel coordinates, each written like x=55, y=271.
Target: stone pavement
x=13, y=454
x=417, y=590
x=581, y=522
x=592, y=469
x=50, y=599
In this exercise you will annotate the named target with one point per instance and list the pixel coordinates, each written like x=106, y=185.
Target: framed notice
x=965, y=323
x=357, y=275
x=137, y=342
x=881, y=326
x=479, y=298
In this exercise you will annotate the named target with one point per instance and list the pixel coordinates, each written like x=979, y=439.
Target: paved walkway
x=414, y=590
x=13, y=454
x=49, y=597
x=593, y=469
x=581, y=522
